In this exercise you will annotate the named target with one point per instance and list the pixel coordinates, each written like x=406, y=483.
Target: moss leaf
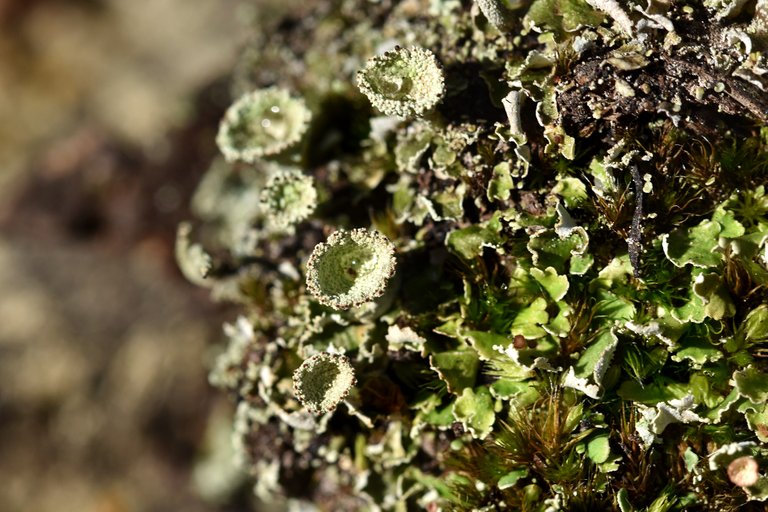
x=511, y=478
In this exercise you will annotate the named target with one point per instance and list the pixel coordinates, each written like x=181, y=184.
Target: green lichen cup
x=404, y=82
x=496, y=12
x=322, y=381
x=350, y=268
x=262, y=123
x=288, y=198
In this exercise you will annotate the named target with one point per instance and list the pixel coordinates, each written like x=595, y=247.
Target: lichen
x=497, y=12
x=261, y=123
x=289, y=197
x=403, y=82
x=350, y=268
x=560, y=296
x=322, y=381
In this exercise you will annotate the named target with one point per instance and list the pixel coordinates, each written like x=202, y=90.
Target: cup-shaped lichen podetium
x=289, y=197
x=350, y=268
x=322, y=381
x=262, y=123
x=404, y=82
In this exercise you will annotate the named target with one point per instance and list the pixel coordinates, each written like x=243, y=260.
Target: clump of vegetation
x=289, y=197
x=538, y=282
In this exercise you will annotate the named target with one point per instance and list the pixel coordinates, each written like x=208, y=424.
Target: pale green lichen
x=588, y=373
x=227, y=371
x=350, y=268
x=229, y=198
x=289, y=197
x=403, y=82
x=738, y=460
x=322, y=381
x=561, y=15
x=726, y=8
x=474, y=409
x=193, y=261
x=615, y=10
x=261, y=123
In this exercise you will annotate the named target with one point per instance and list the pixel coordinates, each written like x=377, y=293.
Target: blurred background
x=108, y=111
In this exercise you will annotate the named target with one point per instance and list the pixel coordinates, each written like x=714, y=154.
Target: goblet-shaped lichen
x=404, y=82
x=288, y=198
x=350, y=268
x=262, y=123
x=322, y=381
